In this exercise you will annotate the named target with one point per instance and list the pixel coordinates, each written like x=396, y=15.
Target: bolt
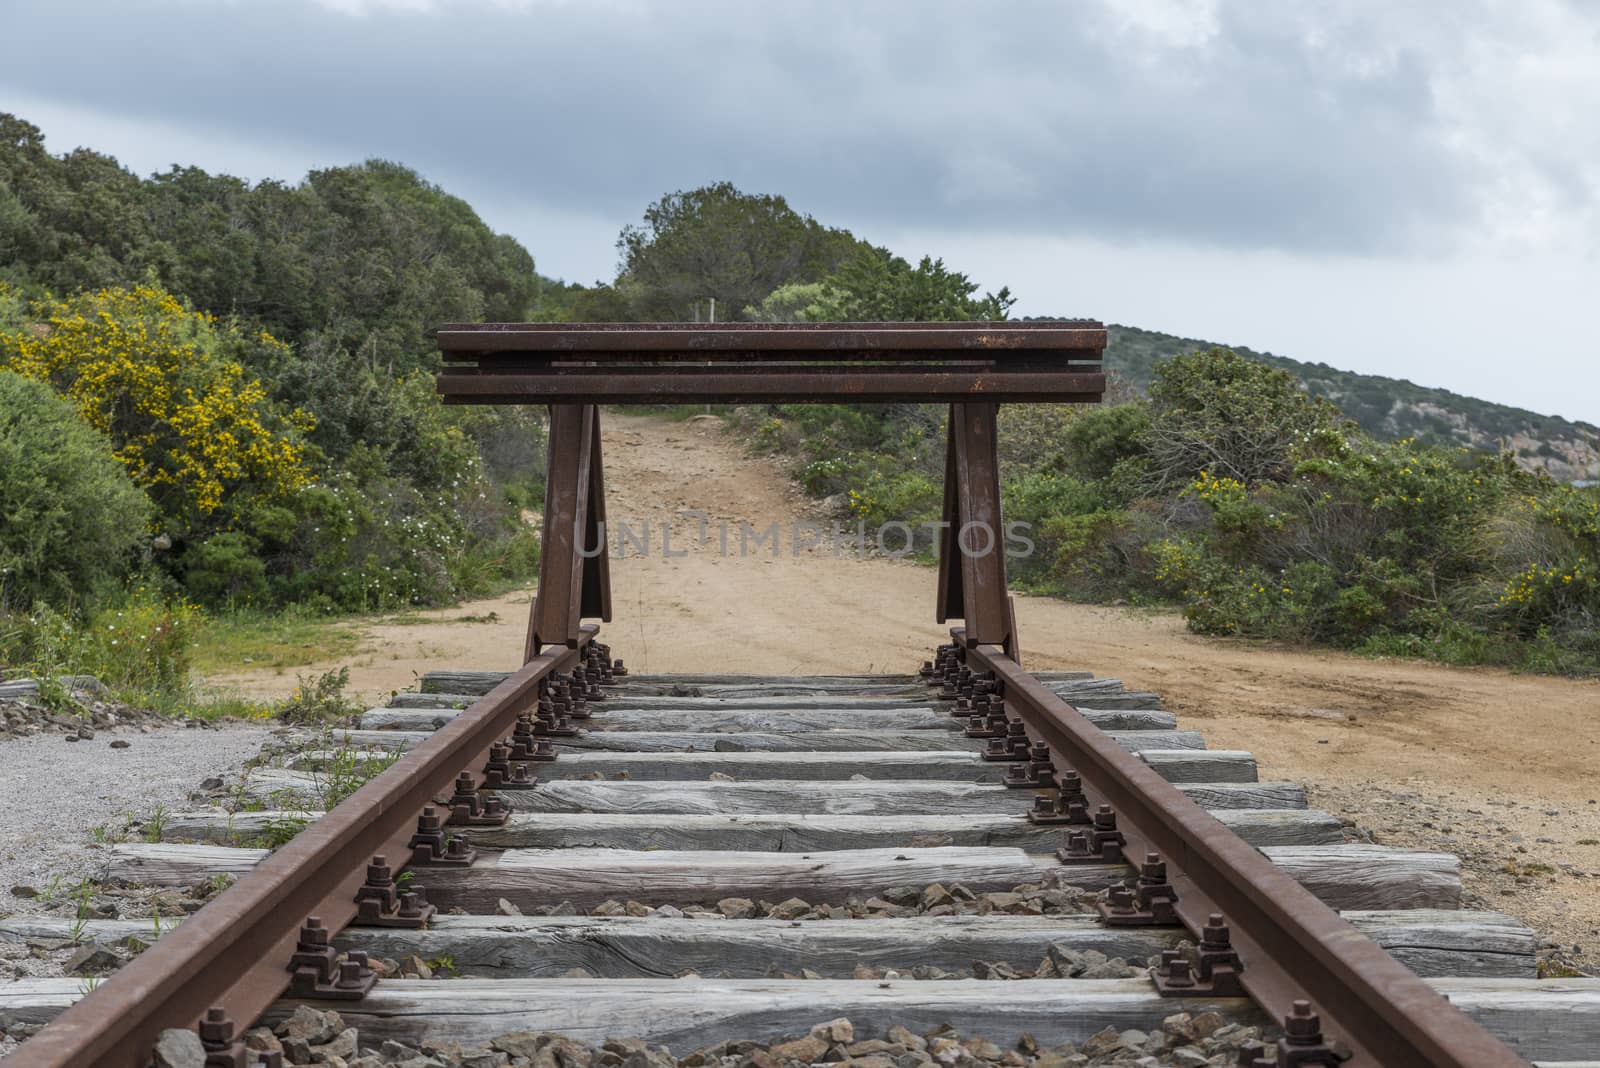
x=1178, y=971
x=1153, y=871
x=1105, y=818
x=216, y=1030
x=313, y=935
x=379, y=873
x=349, y=974
x=1301, y=1026
x=1215, y=934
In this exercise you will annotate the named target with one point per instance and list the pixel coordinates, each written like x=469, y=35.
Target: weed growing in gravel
x=156, y=824
x=106, y=834
x=278, y=831
x=346, y=770
x=319, y=700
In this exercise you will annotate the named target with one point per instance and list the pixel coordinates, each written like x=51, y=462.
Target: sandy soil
x=1496, y=767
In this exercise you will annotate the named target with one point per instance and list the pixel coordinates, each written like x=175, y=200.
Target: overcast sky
x=1398, y=187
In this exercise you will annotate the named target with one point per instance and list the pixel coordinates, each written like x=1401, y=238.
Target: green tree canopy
x=877, y=286
x=716, y=241
x=1231, y=417
x=71, y=520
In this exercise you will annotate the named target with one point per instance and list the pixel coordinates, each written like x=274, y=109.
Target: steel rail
x=714, y=385
x=234, y=952
x=598, y=339
x=943, y=357
x=1292, y=945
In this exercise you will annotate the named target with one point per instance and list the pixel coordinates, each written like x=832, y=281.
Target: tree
x=878, y=286
x=165, y=384
x=73, y=520
x=716, y=241
x=1217, y=412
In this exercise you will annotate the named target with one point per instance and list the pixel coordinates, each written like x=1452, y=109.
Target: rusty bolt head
x=1044, y=805
x=1301, y=1026
x=313, y=934
x=1177, y=968
x=1039, y=753
x=1120, y=899
x=349, y=974
x=1069, y=782
x=1154, y=869
x=1077, y=842
x=498, y=752
x=429, y=820
x=1015, y=728
x=465, y=785
x=1215, y=934
x=379, y=873
x=408, y=904
x=216, y=1030
x=1105, y=818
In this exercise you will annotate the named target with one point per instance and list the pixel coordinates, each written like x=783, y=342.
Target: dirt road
x=1477, y=762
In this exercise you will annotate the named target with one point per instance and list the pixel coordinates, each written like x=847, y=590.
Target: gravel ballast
x=55, y=793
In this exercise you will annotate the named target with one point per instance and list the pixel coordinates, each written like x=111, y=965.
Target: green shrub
x=137, y=645
x=224, y=571
x=1217, y=412
x=1102, y=438
x=73, y=519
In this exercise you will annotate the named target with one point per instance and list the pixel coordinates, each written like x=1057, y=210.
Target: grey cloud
x=1275, y=133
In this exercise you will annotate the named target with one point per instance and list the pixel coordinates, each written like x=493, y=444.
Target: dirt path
x=1499, y=768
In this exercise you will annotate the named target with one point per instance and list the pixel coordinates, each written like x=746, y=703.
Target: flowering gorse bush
x=166, y=385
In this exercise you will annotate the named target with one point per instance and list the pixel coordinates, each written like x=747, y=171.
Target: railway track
x=727, y=860
x=964, y=867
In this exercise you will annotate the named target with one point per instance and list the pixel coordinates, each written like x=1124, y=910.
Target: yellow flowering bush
x=166, y=385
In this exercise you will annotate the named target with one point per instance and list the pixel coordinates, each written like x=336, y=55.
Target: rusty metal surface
x=1293, y=946
x=706, y=341
x=571, y=583
x=978, y=537
x=754, y=385
x=235, y=953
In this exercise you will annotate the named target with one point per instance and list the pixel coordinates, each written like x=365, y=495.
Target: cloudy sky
x=1408, y=188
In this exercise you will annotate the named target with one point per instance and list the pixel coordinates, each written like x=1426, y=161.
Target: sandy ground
x=1496, y=767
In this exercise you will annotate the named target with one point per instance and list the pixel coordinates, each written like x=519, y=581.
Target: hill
x=1394, y=407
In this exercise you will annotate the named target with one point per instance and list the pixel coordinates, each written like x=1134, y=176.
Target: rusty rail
x=234, y=953
x=1292, y=947
x=754, y=363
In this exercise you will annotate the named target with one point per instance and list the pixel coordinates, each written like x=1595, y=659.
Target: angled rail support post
x=972, y=555
x=574, y=569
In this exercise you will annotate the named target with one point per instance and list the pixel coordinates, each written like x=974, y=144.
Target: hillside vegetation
x=1393, y=408
x=240, y=380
